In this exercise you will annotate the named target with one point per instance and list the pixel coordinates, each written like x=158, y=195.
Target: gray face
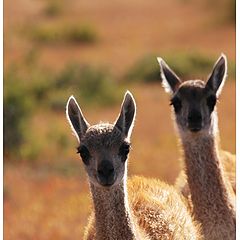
x=103, y=148
x=104, y=153
x=194, y=101
x=193, y=105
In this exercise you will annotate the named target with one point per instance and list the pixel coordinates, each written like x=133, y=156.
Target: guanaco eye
x=177, y=104
x=124, y=150
x=84, y=153
x=211, y=102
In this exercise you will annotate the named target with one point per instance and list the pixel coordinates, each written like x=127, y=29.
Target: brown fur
x=157, y=210
x=229, y=167
x=209, y=192
x=153, y=210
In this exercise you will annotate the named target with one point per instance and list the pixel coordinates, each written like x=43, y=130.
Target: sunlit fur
x=140, y=209
x=229, y=168
x=158, y=211
x=208, y=190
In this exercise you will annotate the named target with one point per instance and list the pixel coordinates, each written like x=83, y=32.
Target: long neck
x=213, y=204
x=112, y=214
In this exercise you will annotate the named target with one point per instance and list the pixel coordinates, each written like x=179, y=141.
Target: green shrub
x=30, y=149
x=83, y=34
x=144, y=70
x=64, y=34
x=194, y=65
x=190, y=64
x=186, y=65
x=97, y=86
x=53, y=8
x=24, y=91
x=92, y=85
x=17, y=108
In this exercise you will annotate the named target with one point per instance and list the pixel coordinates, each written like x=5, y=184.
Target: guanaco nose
x=194, y=120
x=194, y=116
x=106, y=172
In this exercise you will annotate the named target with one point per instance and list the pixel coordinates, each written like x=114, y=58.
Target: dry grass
x=44, y=204
x=51, y=200
x=127, y=30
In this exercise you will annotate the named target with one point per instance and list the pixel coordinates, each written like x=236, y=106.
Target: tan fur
x=212, y=196
x=157, y=210
x=229, y=167
x=145, y=209
x=209, y=191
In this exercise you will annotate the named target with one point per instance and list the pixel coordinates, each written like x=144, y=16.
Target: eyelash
x=84, y=153
x=124, y=151
x=211, y=102
x=176, y=103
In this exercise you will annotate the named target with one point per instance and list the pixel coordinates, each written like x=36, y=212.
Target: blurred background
x=96, y=50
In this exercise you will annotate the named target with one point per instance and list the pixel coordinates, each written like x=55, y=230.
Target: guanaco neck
x=112, y=214
x=212, y=201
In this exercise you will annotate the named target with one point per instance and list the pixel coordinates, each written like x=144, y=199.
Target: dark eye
x=211, y=102
x=124, y=150
x=84, y=153
x=177, y=104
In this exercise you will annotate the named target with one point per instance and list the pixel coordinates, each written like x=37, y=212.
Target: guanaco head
x=194, y=101
x=103, y=147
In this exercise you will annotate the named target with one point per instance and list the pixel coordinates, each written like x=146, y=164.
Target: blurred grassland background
x=96, y=50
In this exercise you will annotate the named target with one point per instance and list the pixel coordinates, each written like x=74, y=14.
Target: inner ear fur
x=170, y=80
x=127, y=115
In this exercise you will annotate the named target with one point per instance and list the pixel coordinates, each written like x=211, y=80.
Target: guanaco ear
x=127, y=114
x=170, y=80
x=76, y=119
x=217, y=78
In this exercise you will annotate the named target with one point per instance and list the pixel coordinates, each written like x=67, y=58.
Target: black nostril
x=105, y=172
x=195, y=116
x=105, y=169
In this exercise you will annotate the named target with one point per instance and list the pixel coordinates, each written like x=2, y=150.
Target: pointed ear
x=170, y=80
x=76, y=119
x=127, y=114
x=217, y=78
